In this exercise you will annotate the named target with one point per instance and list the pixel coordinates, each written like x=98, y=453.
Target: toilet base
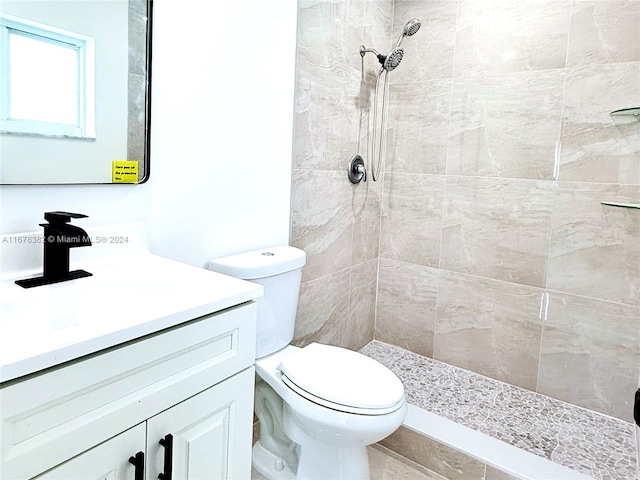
x=329, y=463
x=270, y=465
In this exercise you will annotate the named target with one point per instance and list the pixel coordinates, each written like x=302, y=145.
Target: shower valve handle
x=356, y=170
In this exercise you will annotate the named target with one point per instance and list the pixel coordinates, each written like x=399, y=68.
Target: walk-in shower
x=389, y=62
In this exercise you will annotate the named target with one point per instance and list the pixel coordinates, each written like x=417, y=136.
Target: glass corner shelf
x=626, y=115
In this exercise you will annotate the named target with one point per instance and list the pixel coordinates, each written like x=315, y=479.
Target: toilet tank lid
x=259, y=263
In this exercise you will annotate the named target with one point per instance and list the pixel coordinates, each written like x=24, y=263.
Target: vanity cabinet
x=190, y=386
x=107, y=461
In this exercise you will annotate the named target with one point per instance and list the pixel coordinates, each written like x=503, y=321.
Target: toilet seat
x=342, y=379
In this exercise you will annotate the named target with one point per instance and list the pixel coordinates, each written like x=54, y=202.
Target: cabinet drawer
x=69, y=409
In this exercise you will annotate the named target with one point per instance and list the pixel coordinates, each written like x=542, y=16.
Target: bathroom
x=469, y=233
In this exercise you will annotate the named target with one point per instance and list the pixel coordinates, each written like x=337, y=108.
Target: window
x=47, y=80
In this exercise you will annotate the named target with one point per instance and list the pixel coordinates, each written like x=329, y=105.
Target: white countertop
x=127, y=297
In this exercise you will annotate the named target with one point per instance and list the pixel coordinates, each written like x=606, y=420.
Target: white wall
x=223, y=77
x=225, y=72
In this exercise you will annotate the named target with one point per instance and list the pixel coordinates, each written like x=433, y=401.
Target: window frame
x=85, y=46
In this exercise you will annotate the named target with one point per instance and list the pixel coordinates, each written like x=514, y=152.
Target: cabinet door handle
x=138, y=462
x=167, y=443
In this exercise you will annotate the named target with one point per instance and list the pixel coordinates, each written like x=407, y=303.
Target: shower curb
x=488, y=450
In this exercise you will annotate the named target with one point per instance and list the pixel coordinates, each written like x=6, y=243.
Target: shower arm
x=364, y=50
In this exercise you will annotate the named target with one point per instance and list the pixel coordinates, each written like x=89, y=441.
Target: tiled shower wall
x=335, y=222
x=489, y=255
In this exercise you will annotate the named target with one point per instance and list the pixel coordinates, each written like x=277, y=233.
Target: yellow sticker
x=124, y=171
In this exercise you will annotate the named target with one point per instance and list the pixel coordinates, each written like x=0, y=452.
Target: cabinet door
x=107, y=461
x=210, y=434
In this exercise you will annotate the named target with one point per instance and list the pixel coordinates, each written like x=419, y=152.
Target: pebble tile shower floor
x=586, y=441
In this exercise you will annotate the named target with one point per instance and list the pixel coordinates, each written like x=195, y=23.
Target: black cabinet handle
x=138, y=462
x=167, y=443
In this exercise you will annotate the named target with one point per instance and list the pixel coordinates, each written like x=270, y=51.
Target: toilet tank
x=279, y=271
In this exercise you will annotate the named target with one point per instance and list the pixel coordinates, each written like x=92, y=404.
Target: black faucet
x=59, y=237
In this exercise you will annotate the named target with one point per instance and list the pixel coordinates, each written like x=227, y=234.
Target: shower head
x=389, y=62
x=392, y=60
x=410, y=28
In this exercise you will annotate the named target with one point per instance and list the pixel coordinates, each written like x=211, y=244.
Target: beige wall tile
x=419, y=122
x=494, y=236
x=495, y=474
x=378, y=15
x=385, y=464
x=506, y=125
x=323, y=311
x=500, y=36
x=335, y=222
x=406, y=305
x=362, y=304
x=428, y=54
x=437, y=457
x=594, y=248
x=489, y=327
x=332, y=28
x=590, y=354
x=322, y=221
x=604, y=31
x=497, y=228
x=366, y=205
x=594, y=147
x=411, y=216
x=326, y=112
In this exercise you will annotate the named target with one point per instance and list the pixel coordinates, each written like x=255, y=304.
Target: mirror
x=97, y=133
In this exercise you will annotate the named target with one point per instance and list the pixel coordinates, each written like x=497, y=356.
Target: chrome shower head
x=392, y=60
x=410, y=28
x=389, y=62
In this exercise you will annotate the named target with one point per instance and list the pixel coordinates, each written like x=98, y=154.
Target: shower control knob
x=356, y=170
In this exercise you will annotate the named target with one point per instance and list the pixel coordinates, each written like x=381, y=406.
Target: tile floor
x=386, y=465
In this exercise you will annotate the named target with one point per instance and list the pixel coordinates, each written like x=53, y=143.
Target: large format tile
x=590, y=354
x=428, y=54
x=419, y=122
x=499, y=36
x=377, y=33
x=437, y=457
x=497, y=228
x=506, y=125
x=323, y=311
x=604, y=31
x=411, y=218
x=595, y=248
x=385, y=464
x=327, y=112
x=332, y=28
x=322, y=220
x=366, y=205
x=362, y=306
x=406, y=305
x=489, y=327
x=595, y=148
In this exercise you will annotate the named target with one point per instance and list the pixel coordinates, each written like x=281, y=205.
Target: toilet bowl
x=319, y=406
x=330, y=423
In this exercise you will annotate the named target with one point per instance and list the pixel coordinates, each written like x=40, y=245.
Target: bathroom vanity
x=142, y=371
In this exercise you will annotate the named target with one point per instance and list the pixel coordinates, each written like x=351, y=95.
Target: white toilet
x=318, y=406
